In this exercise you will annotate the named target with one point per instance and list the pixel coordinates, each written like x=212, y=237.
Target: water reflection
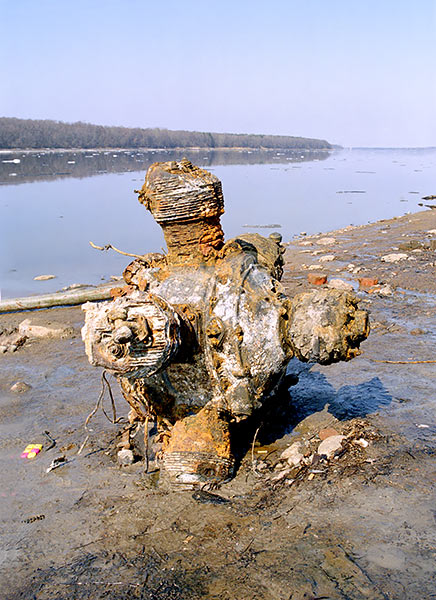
x=21, y=167
x=64, y=200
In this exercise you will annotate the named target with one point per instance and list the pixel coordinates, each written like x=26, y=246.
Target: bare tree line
x=37, y=134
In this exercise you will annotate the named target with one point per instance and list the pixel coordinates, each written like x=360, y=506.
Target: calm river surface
x=53, y=204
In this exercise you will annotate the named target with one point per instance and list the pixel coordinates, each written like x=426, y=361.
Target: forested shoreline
x=43, y=134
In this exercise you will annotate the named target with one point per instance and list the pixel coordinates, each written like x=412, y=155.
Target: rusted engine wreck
x=202, y=335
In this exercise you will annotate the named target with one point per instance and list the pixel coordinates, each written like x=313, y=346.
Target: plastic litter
x=31, y=450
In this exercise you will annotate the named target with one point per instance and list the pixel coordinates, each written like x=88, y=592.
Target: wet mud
x=359, y=525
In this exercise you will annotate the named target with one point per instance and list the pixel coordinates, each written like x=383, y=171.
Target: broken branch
x=405, y=362
x=110, y=247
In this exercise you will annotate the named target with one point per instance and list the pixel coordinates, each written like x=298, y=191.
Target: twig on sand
x=253, y=466
x=404, y=362
x=146, y=443
x=83, y=445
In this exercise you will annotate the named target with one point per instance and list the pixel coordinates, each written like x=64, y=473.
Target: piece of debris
x=340, y=284
x=315, y=279
x=33, y=519
x=393, y=258
x=31, y=450
x=283, y=474
x=44, y=277
x=327, y=258
x=28, y=330
x=124, y=443
x=293, y=454
x=125, y=457
x=20, y=387
x=362, y=443
x=60, y=461
x=367, y=282
x=50, y=439
x=330, y=445
x=11, y=340
x=75, y=286
x=327, y=432
x=326, y=241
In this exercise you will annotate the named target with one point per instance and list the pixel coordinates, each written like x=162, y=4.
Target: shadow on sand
x=309, y=393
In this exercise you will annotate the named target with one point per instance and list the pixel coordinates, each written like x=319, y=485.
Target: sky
x=357, y=73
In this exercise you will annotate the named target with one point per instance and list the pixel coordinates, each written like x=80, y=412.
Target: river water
x=53, y=204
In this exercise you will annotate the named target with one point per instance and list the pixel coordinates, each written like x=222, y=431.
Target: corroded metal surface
x=201, y=337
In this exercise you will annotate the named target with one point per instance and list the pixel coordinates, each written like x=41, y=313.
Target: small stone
x=385, y=290
x=281, y=475
x=367, y=282
x=329, y=446
x=124, y=443
x=327, y=258
x=362, y=443
x=292, y=454
x=418, y=332
x=314, y=268
x=306, y=243
x=340, y=284
x=3, y=349
x=44, y=277
x=125, y=457
x=311, y=476
x=432, y=231
x=25, y=328
x=326, y=433
x=315, y=279
x=13, y=347
x=326, y=241
x=74, y=286
x=20, y=387
x=393, y=258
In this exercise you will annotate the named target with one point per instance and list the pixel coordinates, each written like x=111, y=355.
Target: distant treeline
x=29, y=133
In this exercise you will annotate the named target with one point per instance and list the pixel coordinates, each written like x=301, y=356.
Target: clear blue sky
x=355, y=72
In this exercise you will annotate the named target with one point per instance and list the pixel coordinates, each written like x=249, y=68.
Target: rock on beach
x=393, y=258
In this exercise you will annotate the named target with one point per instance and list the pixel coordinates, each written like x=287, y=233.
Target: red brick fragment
x=316, y=279
x=367, y=282
x=326, y=433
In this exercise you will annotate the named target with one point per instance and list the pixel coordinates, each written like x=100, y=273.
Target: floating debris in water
x=44, y=277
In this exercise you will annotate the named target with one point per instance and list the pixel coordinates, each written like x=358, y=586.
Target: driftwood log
x=68, y=298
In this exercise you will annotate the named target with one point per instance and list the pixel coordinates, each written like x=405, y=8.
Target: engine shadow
x=308, y=393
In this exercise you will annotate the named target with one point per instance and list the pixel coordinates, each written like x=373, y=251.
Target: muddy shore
x=359, y=526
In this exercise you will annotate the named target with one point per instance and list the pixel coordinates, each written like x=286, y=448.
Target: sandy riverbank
x=361, y=527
